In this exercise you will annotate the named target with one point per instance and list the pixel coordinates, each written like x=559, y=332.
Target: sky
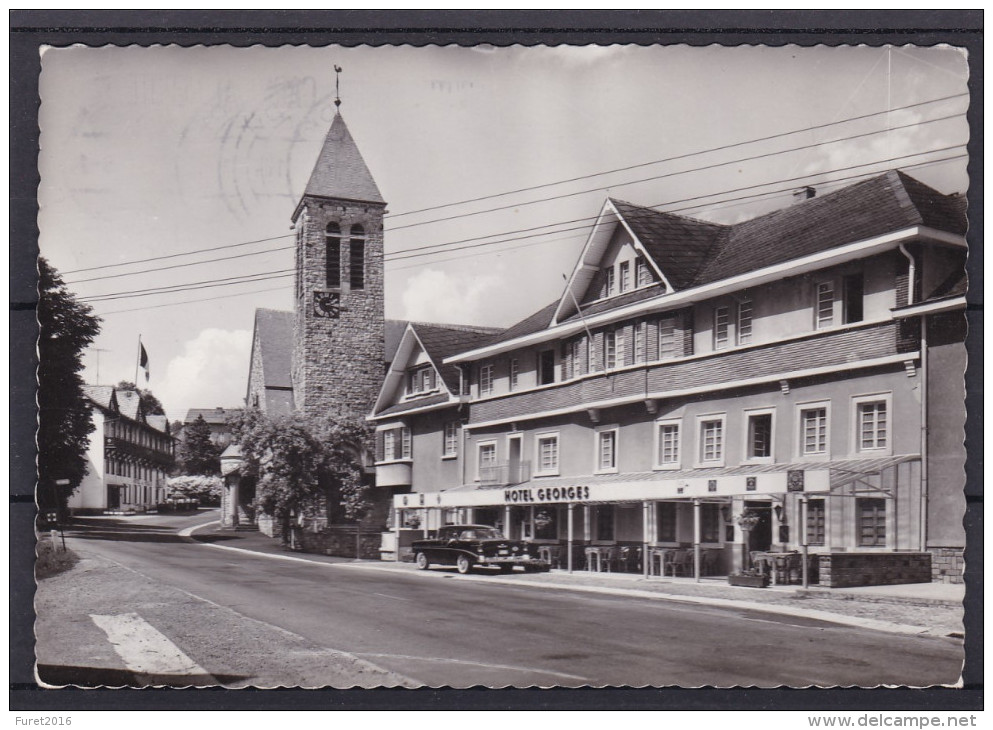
x=187, y=155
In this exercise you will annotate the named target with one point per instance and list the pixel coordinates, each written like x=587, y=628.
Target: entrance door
x=113, y=496
x=760, y=537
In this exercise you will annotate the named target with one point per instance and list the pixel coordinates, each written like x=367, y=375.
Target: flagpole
x=137, y=363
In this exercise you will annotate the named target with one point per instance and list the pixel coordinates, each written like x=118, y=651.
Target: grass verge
x=52, y=559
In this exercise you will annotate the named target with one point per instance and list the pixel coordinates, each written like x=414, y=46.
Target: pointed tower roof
x=340, y=171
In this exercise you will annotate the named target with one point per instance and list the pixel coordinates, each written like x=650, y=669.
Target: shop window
x=813, y=431
x=451, y=445
x=667, y=336
x=712, y=442
x=356, y=254
x=854, y=296
x=605, y=522
x=332, y=265
x=546, y=367
x=825, y=304
x=815, y=522
x=668, y=446
x=744, y=328
x=872, y=522
x=710, y=522
x=486, y=380
x=720, y=327
x=515, y=372
x=872, y=426
x=666, y=522
x=547, y=448
x=546, y=523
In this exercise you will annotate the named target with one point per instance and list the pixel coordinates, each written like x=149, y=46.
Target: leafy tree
x=198, y=454
x=149, y=403
x=285, y=459
x=207, y=489
x=66, y=328
x=347, y=440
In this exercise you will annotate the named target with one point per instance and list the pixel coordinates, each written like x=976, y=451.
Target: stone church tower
x=338, y=312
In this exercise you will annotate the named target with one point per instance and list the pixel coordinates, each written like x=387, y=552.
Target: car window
x=468, y=534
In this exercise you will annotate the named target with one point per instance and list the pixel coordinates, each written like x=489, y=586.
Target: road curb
x=826, y=616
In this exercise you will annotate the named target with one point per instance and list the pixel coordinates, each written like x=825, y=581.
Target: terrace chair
x=675, y=562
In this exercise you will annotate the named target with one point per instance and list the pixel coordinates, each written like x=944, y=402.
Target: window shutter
x=432, y=379
x=380, y=453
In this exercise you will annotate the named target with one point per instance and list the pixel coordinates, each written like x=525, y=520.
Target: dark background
x=30, y=29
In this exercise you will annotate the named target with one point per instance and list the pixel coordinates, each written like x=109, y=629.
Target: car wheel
x=422, y=561
x=463, y=564
x=505, y=568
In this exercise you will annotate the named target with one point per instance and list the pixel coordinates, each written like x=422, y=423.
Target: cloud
x=212, y=371
x=433, y=295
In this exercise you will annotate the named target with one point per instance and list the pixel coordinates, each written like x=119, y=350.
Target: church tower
x=339, y=309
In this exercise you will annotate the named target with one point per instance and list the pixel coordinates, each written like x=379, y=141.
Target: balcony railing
x=505, y=473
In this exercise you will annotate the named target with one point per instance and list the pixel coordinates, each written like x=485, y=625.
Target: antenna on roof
x=337, y=96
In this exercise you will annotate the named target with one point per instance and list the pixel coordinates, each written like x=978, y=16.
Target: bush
x=204, y=489
x=52, y=559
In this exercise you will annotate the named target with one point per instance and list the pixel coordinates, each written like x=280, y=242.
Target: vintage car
x=465, y=546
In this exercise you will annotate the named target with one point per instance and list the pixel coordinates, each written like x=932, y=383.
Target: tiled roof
x=538, y=321
x=441, y=341
x=129, y=402
x=340, y=171
x=679, y=245
x=707, y=253
x=274, y=337
x=393, y=332
x=159, y=423
x=217, y=416
x=866, y=209
x=100, y=394
x=415, y=403
x=639, y=295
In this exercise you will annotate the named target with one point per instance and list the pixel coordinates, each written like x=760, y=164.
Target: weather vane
x=337, y=95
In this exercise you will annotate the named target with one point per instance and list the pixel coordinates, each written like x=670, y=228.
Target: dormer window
x=608, y=281
x=625, y=275
x=642, y=274
x=421, y=380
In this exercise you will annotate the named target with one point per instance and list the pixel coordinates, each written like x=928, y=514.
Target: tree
x=66, y=328
x=347, y=440
x=149, y=403
x=198, y=454
x=206, y=489
x=285, y=459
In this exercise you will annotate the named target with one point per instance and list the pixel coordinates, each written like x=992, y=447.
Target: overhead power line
x=550, y=184
x=265, y=276
x=677, y=157
x=398, y=254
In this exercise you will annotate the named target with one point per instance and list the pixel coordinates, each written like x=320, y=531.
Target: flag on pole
x=143, y=360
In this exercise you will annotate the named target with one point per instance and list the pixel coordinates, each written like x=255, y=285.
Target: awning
x=744, y=481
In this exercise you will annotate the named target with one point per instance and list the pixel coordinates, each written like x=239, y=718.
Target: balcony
x=393, y=474
x=505, y=474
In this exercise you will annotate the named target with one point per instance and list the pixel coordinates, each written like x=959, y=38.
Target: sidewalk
x=924, y=608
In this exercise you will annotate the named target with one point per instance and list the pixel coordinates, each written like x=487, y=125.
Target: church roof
x=274, y=338
x=340, y=172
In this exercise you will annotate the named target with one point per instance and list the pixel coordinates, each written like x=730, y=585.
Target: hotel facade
x=701, y=396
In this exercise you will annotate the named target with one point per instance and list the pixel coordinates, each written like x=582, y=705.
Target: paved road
x=448, y=631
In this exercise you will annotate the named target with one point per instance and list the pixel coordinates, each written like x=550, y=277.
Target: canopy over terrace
x=848, y=478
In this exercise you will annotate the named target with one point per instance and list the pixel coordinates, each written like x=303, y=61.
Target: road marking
x=387, y=595
x=447, y=660
x=145, y=650
x=188, y=531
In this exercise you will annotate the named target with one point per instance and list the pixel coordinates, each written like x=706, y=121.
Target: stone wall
x=339, y=540
x=338, y=362
x=846, y=570
x=947, y=565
